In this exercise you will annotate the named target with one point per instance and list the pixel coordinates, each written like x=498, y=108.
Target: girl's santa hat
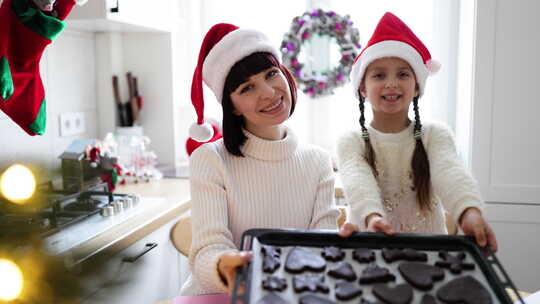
x=222, y=47
x=393, y=38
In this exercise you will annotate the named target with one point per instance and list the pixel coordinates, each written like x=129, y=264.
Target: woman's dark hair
x=419, y=162
x=233, y=136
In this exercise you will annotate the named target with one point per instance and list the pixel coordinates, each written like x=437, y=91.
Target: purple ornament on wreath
x=290, y=47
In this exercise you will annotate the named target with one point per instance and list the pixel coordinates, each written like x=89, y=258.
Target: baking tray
x=488, y=271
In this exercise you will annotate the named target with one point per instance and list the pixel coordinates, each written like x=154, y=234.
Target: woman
x=258, y=175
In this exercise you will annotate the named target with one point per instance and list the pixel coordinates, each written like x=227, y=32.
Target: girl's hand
x=227, y=266
x=472, y=223
x=347, y=229
x=376, y=223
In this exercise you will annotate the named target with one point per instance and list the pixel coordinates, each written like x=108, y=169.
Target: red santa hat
x=393, y=38
x=222, y=47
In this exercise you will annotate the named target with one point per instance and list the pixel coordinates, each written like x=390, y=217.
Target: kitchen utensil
x=122, y=120
x=133, y=110
x=140, y=100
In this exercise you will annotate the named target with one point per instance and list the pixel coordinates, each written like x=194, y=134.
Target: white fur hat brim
x=390, y=48
x=228, y=51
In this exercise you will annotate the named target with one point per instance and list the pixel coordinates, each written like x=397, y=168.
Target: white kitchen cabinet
x=157, y=275
x=517, y=227
x=123, y=16
x=140, y=38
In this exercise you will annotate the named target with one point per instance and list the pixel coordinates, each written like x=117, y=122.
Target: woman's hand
x=227, y=266
x=376, y=223
x=472, y=223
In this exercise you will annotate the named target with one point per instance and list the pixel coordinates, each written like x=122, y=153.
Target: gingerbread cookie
x=310, y=282
x=272, y=298
x=428, y=299
x=271, y=258
x=274, y=283
x=313, y=299
x=376, y=274
x=456, y=263
x=399, y=294
x=333, y=254
x=301, y=259
x=420, y=275
x=466, y=290
x=346, y=291
x=363, y=255
x=343, y=270
x=394, y=254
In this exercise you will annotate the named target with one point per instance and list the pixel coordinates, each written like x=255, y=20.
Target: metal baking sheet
x=316, y=242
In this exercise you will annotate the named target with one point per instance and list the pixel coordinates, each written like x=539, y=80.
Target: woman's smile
x=276, y=107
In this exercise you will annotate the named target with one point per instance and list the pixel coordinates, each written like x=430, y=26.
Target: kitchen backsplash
x=67, y=69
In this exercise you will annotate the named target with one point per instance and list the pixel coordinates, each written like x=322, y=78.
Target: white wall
x=67, y=69
x=505, y=141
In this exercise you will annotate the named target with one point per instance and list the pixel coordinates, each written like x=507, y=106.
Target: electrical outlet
x=72, y=123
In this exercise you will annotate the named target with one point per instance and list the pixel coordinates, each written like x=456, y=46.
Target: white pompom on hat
x=393, y=38
x=222, y=47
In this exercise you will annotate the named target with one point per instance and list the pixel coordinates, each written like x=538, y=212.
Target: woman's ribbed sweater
x=391, y=194
x=278, y=184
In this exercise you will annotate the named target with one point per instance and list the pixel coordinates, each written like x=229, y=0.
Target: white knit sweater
x=278, y=184
x=391, y=194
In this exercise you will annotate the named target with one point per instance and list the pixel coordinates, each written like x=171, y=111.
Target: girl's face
x=390, y=85
x=264, y=100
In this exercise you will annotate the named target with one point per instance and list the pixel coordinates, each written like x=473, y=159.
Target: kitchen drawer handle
x=149, y=247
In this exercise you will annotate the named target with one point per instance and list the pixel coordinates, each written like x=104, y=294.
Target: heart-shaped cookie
x=399, y=294
x=465, y=290
x=346, y=291
x=420, y=275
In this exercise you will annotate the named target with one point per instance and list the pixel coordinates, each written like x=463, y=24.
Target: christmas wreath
x=330, y=24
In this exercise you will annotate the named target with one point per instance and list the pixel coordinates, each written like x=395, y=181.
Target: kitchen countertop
x=170, y=198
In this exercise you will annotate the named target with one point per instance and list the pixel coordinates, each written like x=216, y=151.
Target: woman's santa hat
x=222, y=47
x=393, y=38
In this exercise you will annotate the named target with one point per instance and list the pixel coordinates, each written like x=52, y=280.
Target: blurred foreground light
x=11, y=280
x=17, y=184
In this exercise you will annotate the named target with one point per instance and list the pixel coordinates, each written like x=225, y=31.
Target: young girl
x=400, y=175
x=257, y=175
